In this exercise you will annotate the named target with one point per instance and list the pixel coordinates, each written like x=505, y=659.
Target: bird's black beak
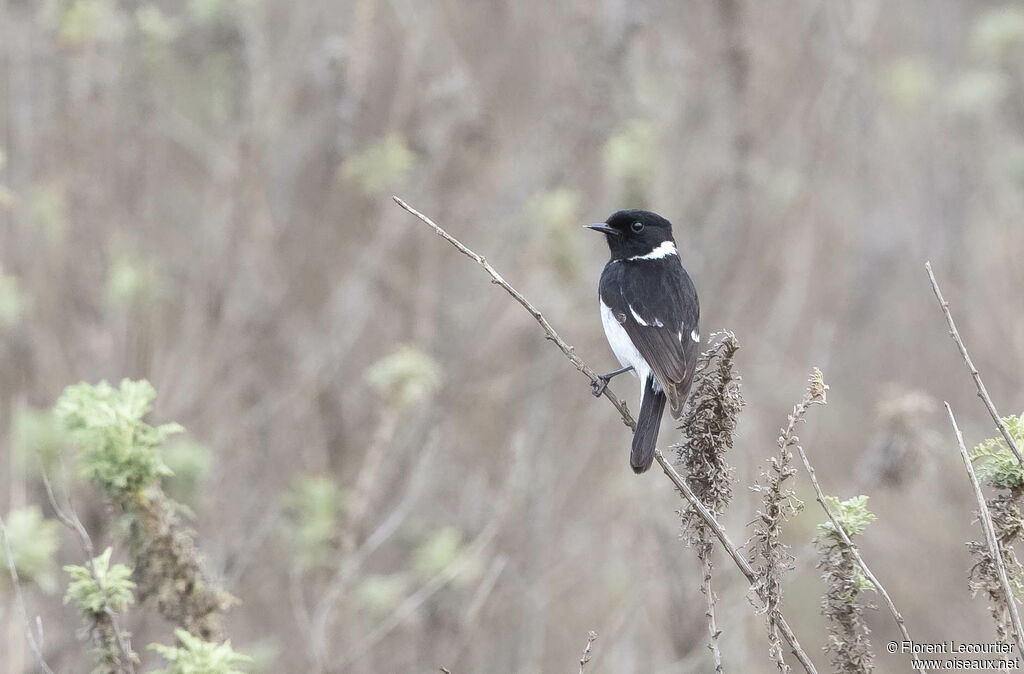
x=603, y=228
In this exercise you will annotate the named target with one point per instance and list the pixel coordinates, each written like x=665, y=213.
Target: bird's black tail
x=645, y=437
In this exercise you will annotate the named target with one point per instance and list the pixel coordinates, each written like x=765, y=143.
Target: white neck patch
x=662, y=251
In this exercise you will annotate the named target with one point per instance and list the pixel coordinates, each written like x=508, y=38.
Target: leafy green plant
x=848, y=641
x=99, y=591
x=131, y=280
x=381, y=165
x=908, y=82
x=852, y=514
x=997, y=32
x=103, y=587
x=437, y=551
x=995, y=462
x=36, y=437
x=195, y=656
x=85, y=23
x=33, y=542
x=405, y=377
x=312, y=506
x=13, y=302
x=557, y=214
x=120, y=452
x=188, y=462
x=629, y=158
x=380, y=593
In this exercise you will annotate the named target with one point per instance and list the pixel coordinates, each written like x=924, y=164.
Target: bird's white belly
x=622, y=345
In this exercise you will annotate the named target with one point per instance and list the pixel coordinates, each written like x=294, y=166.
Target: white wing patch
x=657, y=322
x=694, y=335
x=665, y=249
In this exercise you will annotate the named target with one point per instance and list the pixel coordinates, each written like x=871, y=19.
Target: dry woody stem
x=708, y=430
x=982, y=391
x=990, y=536
x=820, y=496
x=585, y=657
x=665, y=464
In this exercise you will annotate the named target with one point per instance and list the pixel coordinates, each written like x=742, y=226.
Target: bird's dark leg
x=601, y=383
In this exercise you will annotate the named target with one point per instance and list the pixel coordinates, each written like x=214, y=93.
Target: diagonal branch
x=990, y=535
x=666, y=466
x=982, y=391
x=733, y=551
x=549, y=332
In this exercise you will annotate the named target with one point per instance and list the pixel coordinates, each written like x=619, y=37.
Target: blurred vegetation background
x=384, y=461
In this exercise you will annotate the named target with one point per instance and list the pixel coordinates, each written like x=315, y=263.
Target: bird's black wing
x=656, y=303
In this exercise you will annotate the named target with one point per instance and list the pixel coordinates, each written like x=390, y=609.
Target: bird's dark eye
x=637, y=227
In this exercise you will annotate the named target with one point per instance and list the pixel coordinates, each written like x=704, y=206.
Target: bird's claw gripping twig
x=599, y=384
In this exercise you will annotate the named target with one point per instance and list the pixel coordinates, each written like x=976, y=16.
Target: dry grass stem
x=585, y=657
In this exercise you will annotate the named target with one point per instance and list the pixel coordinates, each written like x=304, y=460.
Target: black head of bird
x=635, y=233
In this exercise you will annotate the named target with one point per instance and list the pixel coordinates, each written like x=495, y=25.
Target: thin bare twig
x=666, y=466
x=30, y=635
x=549, y=332
x=709, y=611
x=69, y=518
x=990, y=535
x=982, y=391
x=820, y=496
x=585, y=657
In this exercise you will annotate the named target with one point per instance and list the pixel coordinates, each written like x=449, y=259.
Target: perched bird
x=650, y=312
